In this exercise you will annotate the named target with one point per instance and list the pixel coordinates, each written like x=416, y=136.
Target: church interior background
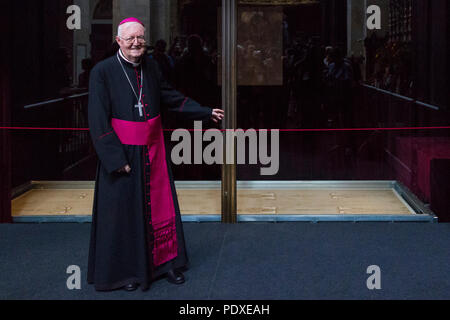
x=377, y=148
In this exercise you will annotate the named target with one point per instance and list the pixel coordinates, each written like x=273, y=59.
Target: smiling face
x=128, y=39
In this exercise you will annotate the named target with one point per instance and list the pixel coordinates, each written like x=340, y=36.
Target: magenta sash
x=150, y=134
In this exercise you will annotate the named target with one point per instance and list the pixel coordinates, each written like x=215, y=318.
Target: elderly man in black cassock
x=136, y=233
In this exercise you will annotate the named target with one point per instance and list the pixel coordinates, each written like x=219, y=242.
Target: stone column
x=174, y=20
x=160, y=18
x=81, y=38
x=356, y=27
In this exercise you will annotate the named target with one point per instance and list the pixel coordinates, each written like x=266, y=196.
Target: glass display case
x=332, y=121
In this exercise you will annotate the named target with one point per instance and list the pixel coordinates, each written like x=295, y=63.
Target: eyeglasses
x=140, y=39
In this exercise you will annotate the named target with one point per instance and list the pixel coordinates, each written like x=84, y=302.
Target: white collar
x=134, y=64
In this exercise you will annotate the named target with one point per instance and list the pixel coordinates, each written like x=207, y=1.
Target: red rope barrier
x=281, y=130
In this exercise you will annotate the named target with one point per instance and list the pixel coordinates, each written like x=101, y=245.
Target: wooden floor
x=60, y=202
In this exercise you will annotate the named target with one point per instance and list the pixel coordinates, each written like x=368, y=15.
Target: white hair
x=120, y=28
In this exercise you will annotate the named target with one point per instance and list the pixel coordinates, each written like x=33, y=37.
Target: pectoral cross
x=140, y=106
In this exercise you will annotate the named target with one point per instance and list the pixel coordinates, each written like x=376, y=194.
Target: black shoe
x=175, y=277
x=130, y=287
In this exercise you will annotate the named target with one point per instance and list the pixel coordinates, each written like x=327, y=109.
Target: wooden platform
x=58, y=200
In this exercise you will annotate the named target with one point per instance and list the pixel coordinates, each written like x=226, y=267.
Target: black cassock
x=121, y=234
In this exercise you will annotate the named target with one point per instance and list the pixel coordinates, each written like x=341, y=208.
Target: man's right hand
x=126, y=169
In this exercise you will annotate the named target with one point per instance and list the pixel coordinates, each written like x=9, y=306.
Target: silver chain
x=131, y=85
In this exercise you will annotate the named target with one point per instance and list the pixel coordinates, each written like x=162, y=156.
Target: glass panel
x=353, y=139
x=50, y=95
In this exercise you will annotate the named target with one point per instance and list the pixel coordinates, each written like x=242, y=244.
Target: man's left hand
x=217, y=115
